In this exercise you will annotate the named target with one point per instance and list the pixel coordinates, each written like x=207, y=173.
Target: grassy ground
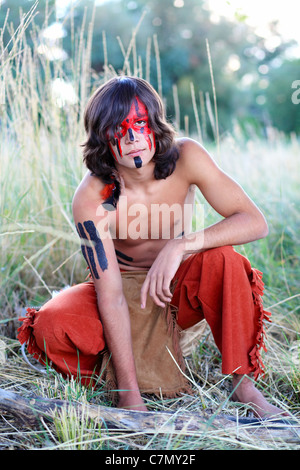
x=40, y=169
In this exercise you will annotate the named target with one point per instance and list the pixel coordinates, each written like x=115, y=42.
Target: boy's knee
x=227, y=255
x=226, y=251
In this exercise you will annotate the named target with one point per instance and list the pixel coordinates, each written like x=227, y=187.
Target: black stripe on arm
x=87, y=252
x=96, y=247
x=99, y=248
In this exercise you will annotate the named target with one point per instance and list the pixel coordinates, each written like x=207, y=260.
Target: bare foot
x=246, y=392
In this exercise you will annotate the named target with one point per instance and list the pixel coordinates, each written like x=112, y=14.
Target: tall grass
x=41, y=166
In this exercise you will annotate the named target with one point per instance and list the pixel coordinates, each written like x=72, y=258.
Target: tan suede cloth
x=66, y=332
x=218, y=285
x=155, y=338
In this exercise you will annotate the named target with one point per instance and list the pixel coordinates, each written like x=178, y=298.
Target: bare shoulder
x=100, y=256
x=195, y=160
x=88, y=193
x=190, y=147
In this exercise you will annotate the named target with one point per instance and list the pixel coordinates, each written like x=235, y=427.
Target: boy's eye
x=123, y=127
x=141, y=122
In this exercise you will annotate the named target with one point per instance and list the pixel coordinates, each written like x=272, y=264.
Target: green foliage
x=285, y=114
x=42, y=137
x=238, y=56
x=41, y=167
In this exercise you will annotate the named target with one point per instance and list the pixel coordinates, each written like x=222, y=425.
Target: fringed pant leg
x=220, y=286
x=66, y=332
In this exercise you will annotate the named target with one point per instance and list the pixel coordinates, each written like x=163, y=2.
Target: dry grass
x=40, y=169
x=211, y=393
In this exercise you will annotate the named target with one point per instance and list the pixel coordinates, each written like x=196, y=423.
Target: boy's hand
x=131, y=400
x=161, y=273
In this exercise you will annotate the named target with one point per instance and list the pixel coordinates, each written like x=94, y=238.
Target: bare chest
x=159, y=214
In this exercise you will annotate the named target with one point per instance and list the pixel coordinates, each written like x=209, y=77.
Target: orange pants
x=218, y=285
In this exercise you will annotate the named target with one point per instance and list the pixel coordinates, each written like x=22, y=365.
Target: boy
x=135, y=167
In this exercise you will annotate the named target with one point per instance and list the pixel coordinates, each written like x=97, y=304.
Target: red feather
x=107, y=191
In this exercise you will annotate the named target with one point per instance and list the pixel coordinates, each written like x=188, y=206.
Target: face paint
x=138, y=162
x=137, y=121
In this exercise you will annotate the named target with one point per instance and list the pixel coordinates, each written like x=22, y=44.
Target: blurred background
x=254, y=48
x=228, y=72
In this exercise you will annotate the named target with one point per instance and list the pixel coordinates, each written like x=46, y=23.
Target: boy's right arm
x=99, y=253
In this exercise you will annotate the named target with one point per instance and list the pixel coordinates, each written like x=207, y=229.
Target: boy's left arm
x=242, y=221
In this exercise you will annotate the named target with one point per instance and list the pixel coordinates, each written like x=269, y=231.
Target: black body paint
x=119, y=148
x=123, y=262
x=110, y=203
x=180, y=235
x=88, y=251
x=138, y=162
x=99, y=248
x=123, y=257
x=131, y=136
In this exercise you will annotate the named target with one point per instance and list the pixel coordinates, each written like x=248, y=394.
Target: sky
x=261, y=12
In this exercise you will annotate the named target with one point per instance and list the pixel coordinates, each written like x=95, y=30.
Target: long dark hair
x=107, y=108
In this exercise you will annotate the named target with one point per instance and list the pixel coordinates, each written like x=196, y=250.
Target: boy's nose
x=131, y=135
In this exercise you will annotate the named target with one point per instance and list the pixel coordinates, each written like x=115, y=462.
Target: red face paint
x=136, y=121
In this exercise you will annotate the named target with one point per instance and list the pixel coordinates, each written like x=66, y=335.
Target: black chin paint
x=138, y=162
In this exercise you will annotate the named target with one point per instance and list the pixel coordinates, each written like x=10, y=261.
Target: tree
x=245, y=66
x=284, y=111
